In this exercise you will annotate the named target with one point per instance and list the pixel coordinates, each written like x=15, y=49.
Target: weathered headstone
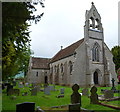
x=62, y=90
x=52, y=88
x=75, y=97
x=74, y=107
x=34, y=92
x=38, y=88
x=3, y=86
x=94, y=95
x=85, y=92
x=46, y=85
x=8, y=88
x=25, y=107
x=14, y=92
x=20, y=85
x=108, y=94
x=27, y=84
x=14, y=83
x=47, y=90
x=113, y=84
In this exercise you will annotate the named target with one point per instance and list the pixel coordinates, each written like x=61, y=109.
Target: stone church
x=86, y=62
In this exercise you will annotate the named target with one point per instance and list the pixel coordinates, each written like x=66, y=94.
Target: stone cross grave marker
x=108, y=94
x=34, y=92
x=62, y=90
x=47, y=90
x=25, y=107
x=75, y=97
x=113, y=84
x=85, y=92
x=94, y=95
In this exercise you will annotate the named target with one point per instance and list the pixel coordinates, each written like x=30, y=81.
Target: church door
x=95, y=77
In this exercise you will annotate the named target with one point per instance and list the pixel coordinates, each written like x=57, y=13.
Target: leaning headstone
x=94, y=95
x=62, y=90
x=108, y=94
x=85, y=92
x=47, y=91
x=34, y=92
x=74, y=107
x=75, y=97
x=25, y=107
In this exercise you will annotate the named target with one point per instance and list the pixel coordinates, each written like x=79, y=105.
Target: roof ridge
x=68, y=51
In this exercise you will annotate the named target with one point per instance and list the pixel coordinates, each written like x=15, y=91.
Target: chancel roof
x=68, y=51
x=40, y=63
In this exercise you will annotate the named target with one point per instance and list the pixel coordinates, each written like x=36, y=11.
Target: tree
x=116, y=56
x=15, y=36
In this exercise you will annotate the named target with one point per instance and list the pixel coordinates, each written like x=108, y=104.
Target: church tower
x=93, y=26
x=94, y=45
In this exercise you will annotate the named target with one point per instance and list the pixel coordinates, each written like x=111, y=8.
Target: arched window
x=36, y=74
x=95, y=52
x=97, y=24
x=92, y=23
x=61, y=68
x=70, y=67
x=55, y=69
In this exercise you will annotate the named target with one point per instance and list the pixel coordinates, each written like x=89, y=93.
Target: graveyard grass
x=47, y=101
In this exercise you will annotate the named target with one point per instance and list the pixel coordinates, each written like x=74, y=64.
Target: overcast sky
x=63, y=24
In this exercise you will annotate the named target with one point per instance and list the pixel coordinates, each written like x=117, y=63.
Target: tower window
x=95, y=52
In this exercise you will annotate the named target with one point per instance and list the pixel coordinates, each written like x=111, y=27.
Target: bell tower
x=94, y=46
x=93, y=26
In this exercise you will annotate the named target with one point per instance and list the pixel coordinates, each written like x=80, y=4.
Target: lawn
x=47, y=101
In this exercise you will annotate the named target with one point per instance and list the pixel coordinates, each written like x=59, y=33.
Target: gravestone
x=27, y=84
x=20, y=85
x=108, y=94
x=85, y=92
x=113, y=84
x=47, y=90
x=14, y=92
x=3, y=86
x=62, y=90
x=14, y=83
x=34, y=92
x=8, y=88
x=94, y=95
x=74, y=107
x=25, y=107
x=75, y=97
x=38, y=88
x=52, y=88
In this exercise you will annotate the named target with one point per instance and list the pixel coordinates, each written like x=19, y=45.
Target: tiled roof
x=40, y=63
x=68, y=51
